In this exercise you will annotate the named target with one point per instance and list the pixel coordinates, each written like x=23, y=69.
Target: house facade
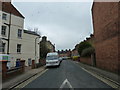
x=16, y=42
x=48, y=44
x=30, y=50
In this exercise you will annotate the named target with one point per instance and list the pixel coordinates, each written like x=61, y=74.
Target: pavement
x=113, y=77
x=68, y=75
x=14, y=81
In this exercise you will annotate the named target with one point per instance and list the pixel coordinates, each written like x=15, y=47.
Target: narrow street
x=68, y=75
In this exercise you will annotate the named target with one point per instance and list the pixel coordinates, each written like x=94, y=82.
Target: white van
x=52, y=59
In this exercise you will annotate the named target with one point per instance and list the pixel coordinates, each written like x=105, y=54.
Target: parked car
x=52, y=59
x=60, y=58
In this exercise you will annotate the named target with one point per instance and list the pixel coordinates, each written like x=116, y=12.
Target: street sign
x=4, y=57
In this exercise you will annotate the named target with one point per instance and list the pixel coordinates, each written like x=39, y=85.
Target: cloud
x=65, y=24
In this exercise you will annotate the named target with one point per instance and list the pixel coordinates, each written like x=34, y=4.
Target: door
x=29, y=62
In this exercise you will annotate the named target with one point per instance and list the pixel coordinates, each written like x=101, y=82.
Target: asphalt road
x=68, y=75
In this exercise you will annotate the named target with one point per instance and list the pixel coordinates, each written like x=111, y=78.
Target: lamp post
x=35, y=45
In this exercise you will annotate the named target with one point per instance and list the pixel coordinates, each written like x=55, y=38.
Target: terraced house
x=20, y=44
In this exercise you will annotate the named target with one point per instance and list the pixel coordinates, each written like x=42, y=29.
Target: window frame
x=4, y=16
x=19, y=48
x=3, y=30
x=3, y=47
x=19, y=34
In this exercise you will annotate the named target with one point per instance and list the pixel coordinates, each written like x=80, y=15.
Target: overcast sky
x=64, y=23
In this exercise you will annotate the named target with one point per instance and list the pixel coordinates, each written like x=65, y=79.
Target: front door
x=29, y=62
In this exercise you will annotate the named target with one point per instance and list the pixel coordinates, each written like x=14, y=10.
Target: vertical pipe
x=9, y=34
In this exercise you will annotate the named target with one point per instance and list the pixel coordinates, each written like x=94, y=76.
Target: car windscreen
x=54, y=57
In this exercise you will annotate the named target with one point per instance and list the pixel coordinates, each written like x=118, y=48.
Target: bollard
x=33, y=64
x=22, y=62
x=4, y=69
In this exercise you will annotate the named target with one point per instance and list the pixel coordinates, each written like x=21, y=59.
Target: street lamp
x=35, y=45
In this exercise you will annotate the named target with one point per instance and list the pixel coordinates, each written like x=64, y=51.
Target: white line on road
x=64, y=83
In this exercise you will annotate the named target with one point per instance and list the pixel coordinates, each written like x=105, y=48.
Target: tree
x=43, y=50
x=82, y=46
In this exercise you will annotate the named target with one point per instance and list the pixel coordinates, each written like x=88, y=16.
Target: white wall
x=27, y=41
x=28, y=49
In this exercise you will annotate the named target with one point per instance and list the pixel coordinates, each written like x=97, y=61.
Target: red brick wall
x=105, y=22
x=119, y=42
x=86, y=60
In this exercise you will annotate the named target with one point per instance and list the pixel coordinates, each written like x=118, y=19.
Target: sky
x=64, y=23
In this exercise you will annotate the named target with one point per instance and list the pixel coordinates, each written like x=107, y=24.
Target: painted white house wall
x=28, y=48
x=27, y=41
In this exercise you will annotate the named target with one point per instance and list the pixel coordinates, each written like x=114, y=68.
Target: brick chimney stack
x=6, y=1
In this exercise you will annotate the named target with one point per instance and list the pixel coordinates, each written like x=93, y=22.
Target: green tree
x=43, y=50
x=82, y=46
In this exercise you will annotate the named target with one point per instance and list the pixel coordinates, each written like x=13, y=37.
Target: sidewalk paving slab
x=10, y=83
x=106, y=74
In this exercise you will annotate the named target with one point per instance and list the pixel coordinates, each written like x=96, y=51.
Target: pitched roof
x=9, y=8
x=31, y=32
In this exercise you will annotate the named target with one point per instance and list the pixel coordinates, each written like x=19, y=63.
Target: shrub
x=82, y=46
x=87, y=52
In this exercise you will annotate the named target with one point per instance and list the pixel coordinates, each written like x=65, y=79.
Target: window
x=19, y=33
x=3, y=31
x=18, y=48
x=4, y=16
x=18, y=59
x=2, y=48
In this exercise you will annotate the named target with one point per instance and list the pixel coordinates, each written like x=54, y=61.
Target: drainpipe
x=35, y=46
x=8, y=33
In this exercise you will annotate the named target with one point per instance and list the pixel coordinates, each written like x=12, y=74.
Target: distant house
x=45, y=47
x=75, y=52
x=91, y=39
x=66, y=53
x=50, y=46
x=30, y=45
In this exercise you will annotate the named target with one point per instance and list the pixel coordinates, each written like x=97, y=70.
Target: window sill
x=18, y=53
x=4, y=19
x=4, y=36
x=19, y=37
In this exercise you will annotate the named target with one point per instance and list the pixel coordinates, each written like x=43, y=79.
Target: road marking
x=64, y=83
x=113, y=85
x=22, y=85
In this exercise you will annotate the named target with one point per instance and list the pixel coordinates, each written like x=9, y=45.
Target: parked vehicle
x=52, y=59
x=60, y=58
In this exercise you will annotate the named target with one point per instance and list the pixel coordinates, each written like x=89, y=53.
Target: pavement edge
x=12, y=87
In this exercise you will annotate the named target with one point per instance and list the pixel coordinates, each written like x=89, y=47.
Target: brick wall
x=105, y=24
x=86, y=60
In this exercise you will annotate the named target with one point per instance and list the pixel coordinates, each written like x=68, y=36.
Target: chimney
x=44, y=38
x=6, y=1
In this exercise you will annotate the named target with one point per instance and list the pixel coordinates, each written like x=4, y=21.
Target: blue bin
x=17, y=63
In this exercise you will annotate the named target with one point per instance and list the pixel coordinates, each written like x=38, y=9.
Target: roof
x=9, y=8
x=31, y=32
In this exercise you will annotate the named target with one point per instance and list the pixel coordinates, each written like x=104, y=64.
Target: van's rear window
x=52, y=57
